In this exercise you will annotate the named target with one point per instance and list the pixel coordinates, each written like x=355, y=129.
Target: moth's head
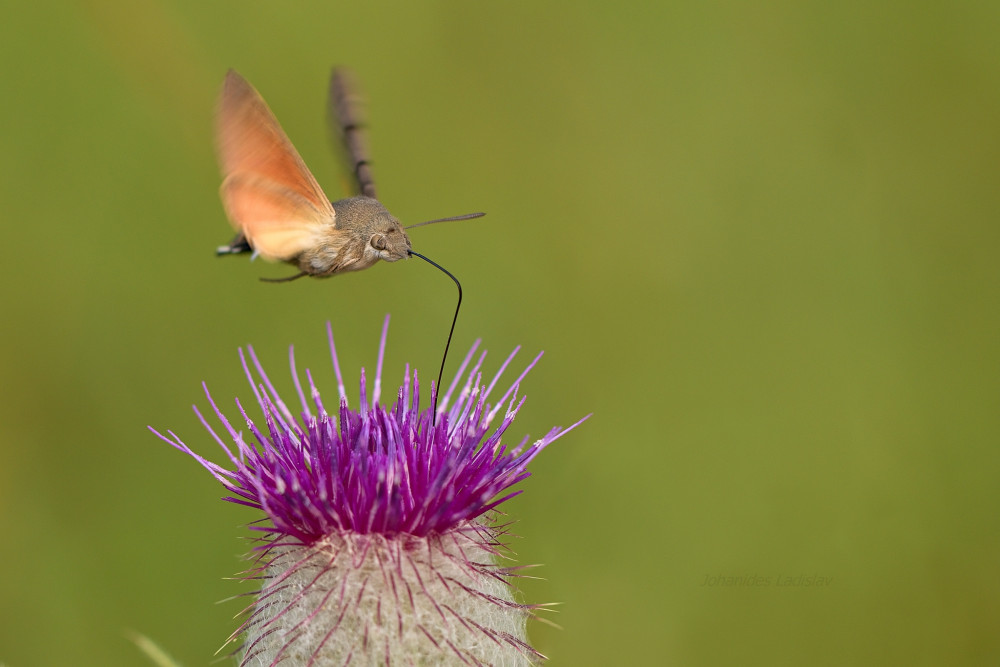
x=388, y=241
x=373, y=228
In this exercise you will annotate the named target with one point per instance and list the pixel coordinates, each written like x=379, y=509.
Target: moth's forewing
x=269, y=194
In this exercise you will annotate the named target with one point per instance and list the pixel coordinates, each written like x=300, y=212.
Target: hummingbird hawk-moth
x=273, y=201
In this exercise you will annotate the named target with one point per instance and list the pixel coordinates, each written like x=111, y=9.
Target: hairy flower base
x=377, y=600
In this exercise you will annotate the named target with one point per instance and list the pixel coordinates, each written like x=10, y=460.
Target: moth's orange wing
x=267, y=190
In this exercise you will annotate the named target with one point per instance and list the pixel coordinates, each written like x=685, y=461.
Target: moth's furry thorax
x=363, y=233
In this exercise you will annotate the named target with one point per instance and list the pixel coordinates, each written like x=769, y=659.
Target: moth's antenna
x=437, y=387
x=467, y=216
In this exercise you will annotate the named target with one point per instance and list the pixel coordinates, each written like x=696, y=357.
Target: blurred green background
x=759, y=241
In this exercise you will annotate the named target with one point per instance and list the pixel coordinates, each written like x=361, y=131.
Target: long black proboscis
x=454, y=320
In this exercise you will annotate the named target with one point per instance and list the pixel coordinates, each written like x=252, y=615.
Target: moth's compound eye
x=377, y=241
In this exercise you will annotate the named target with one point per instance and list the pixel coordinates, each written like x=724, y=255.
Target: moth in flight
x=276, y=206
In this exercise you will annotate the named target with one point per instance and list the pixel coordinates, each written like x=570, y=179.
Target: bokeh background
x=759, y=241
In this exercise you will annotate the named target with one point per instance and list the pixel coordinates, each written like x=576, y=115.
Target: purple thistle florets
x=378, y=545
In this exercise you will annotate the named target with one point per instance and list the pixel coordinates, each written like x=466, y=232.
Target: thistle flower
x=381, y=544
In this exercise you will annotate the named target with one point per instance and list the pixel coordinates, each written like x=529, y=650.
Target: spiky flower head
x=381, y=544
